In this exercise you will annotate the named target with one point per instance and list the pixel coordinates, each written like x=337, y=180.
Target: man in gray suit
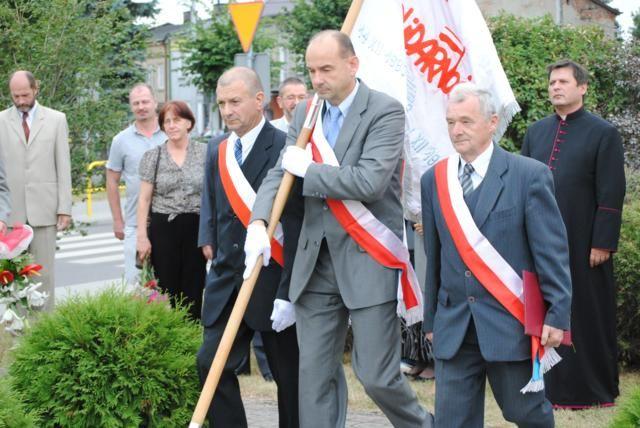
x=511, y=202
x=5, y=200
x=334, y=278
x=35, y=150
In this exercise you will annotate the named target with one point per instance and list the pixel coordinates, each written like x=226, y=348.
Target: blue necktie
x=331, y=124
x=237, y=151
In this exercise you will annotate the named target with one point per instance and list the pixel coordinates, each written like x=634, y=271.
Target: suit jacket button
x=471, y=299
x=467, y=273
x=316, y=243
x=236, y=246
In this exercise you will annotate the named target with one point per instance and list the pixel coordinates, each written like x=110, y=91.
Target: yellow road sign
x=245, y=17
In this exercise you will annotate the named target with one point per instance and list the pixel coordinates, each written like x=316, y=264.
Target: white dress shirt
x=480, y=166
x=248, y=139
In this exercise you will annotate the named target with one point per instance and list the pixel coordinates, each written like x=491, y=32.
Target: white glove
x=296, y=161
x=256, y=244
x=283, y=315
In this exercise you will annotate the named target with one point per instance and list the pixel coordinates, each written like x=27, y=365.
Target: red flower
x=31, y=269
x=151, y=284
x=6, y=277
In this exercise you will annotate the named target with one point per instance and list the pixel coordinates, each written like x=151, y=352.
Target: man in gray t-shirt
x=126, y=151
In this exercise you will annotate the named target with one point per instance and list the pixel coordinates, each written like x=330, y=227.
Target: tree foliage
x=309, y=17
x=86, y=54
x=635, y=30
x=211, y=48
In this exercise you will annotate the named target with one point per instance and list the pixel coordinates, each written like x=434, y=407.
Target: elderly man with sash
x=490, y=222
x=350, y=252
x=235, y=166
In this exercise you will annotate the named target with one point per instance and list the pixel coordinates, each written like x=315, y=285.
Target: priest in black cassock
x=584, y=153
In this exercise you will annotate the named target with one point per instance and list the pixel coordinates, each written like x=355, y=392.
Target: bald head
x=340, y=39
x=246, y=75
x=23, y=77
x=332, y=65
x=24, y=88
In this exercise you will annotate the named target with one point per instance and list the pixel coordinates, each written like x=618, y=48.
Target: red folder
x=534, y=308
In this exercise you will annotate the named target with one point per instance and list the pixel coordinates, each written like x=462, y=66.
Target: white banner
x=417, y=51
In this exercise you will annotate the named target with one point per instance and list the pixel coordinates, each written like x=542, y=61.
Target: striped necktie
x=237, y=151
x=465, y=179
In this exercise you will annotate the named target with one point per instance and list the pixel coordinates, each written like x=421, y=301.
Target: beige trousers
x=43, y=249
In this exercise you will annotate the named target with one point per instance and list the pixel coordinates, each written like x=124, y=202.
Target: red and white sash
x=371, y=234
x=487, y=265
x=241, y=196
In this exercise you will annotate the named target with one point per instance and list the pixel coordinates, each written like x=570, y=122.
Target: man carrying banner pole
x=488, y=216
x=350, y=252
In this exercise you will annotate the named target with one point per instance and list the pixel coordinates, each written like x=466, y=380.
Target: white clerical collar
x=248, y=139
x=345, y=105
x=480, y=164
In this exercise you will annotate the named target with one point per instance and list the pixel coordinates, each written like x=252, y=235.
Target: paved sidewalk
x=264, y=414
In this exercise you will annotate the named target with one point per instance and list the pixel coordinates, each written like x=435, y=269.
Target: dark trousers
x=227, y=410
x=460, y=386
x=178, y=262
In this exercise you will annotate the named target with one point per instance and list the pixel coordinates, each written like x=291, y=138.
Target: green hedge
x=628, y=413
x=13, y=412
x=110, y=360
x=527, y=45
x=627, y=273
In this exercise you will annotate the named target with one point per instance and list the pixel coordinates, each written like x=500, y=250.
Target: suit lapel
x=258, y=156
x=492, y=186
x=16, y=124
x=37, y=123
x=351, y=121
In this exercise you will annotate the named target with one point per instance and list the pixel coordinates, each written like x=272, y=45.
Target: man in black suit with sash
x=235, y=166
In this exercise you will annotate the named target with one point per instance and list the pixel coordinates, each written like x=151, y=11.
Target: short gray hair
x=244, y=74
x=465, y=90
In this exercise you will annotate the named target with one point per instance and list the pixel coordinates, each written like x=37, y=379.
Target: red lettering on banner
x=435, y=57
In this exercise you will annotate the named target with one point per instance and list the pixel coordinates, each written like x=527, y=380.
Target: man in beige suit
x=34, y=145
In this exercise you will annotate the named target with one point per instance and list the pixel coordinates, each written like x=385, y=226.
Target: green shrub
x=13, y=413
x=109, y=360
x=628, y=413
x=627, y=274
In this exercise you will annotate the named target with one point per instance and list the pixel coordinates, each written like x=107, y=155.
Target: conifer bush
x=109, y=360
x=628, y=413
x=13, y=412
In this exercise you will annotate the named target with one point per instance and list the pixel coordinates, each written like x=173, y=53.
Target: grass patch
x=253, y=387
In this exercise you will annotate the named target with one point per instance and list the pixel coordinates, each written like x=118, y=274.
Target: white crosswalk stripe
x=90, y=249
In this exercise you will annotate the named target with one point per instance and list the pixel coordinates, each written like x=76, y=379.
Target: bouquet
x=148, y=284
x=19, y=294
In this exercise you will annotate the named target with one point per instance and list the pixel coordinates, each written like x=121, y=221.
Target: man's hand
x=256, y=244
x=283, y=315
x=429, y=336
x=598, y=257
x=118, y=229
x=3, y=228
x=207, y=252
x=551, y=336
x=419, y=229
x=63, y=222
x=296, y=161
